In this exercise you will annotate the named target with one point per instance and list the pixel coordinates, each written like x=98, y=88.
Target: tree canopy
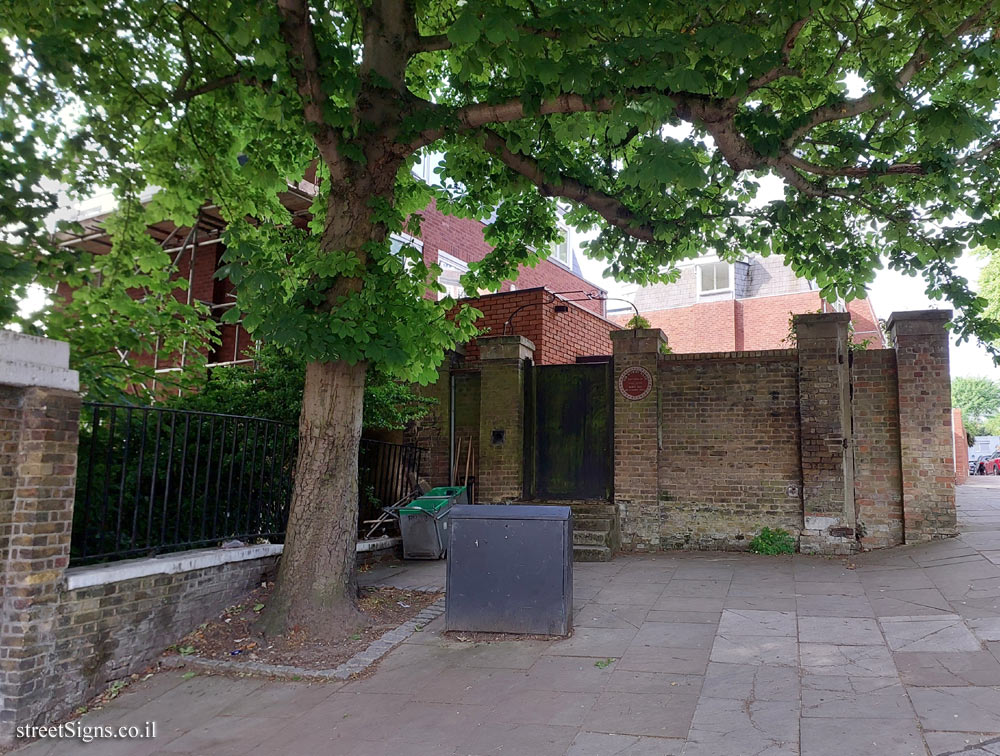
x=979, y=400
x=654, y=121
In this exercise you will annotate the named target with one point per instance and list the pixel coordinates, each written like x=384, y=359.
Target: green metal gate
x=568, y=451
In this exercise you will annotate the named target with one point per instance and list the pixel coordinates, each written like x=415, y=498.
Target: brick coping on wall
x=756, y=354
x=188, y=561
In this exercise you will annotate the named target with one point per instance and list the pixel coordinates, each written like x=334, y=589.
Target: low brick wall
x=104, y=632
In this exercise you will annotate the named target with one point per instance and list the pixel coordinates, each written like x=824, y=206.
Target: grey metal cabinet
x=510, y=569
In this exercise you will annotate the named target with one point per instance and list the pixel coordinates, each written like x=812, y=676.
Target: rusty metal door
x=570, y=410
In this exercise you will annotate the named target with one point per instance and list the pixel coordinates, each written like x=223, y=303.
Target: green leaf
x=466, y=28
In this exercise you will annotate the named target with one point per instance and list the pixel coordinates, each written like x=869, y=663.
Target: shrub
x=775, y=541
x=638, y=321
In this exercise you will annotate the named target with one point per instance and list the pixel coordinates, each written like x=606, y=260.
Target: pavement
x=675, y=654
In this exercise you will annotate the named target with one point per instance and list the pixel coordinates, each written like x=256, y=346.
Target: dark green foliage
x=777, y=541
x=272, y=389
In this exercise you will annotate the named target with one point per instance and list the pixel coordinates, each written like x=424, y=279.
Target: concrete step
x=591, y=537
x=591, y=554
x=592, y=523
x=606, y=510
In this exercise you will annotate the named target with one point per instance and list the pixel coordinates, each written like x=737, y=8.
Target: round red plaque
x=635, y=383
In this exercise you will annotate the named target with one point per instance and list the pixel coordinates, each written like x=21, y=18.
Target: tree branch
x=431, y=43
x=853, y=171
x=608, y=207
x=238, y=77
x=472, y=117
x=297, y=31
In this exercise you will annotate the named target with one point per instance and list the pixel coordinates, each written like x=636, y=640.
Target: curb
x=353, y=666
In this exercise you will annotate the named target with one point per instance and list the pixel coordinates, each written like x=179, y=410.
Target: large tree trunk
x=316, y=585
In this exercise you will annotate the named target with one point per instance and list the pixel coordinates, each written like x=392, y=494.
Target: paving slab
x=866, y=737
x=968, y=709
x=940, y=634
x=757, y=622
x=750, y=682
x=842, y=696
x=925, y=669
x=728, y=726
x=696, y=588
x=755, y=649
x=843, y=631
x=613, y=616
x=604, y=744
x=819, y=605
x=964, y=743
x=909, y=602
x=855, y=661
x=675, y=635
x=662, y=715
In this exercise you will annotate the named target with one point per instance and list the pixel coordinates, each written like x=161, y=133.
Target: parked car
x=989, y=464
x=974, y=464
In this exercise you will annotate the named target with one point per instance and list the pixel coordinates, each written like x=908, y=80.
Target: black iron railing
x=153, y=480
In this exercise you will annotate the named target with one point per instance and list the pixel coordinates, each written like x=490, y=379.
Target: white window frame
x=715, y=293
x=568, y=262
x=450, y=262
x=407, y=241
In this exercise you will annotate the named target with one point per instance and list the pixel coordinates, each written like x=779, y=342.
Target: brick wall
x=866, y=324
x=750, y=324
x=106, y=632
x=878, y=495
x=574, y=333
x=765, y=320
x=961, y=448
x=559, y=337
x=705, y=327
x=730, y=459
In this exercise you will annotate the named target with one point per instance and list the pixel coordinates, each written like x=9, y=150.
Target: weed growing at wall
x=777, y=541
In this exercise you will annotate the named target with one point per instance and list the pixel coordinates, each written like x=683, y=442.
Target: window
x=560, y=250
x=398, y=241
x=424, y=168
x=714, y=278
x=451, y=275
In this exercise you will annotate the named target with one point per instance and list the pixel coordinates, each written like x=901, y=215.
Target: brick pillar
x=39, y=415
x=501, y=417
x=825, y=432
x=925, y=433
x=637, y=436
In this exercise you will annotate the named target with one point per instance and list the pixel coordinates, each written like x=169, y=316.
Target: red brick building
x=719, y=306
x=447, y=241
